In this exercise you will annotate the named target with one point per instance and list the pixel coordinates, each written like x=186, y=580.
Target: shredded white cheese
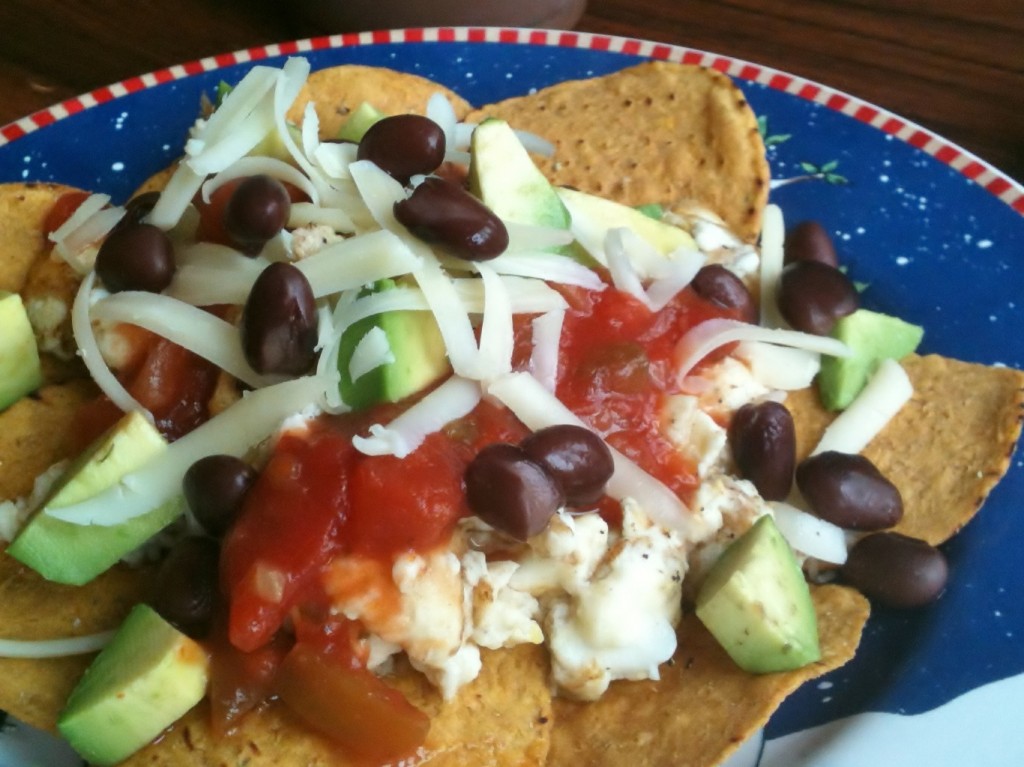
x=54, y=648
x=888, y=390
x=453, y=399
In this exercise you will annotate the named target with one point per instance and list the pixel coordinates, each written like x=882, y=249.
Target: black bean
x=256, y=211
x=813, y=295
x=185, y=589
x=403, y=146
x=442, y=212
x=137, y=208
x=577, y=458
x=136, y=257
x=279, y=322
x=896, y=570
x=214, y=488
x=809, y=241
x=715, y=283
x=510, y=492
x=849, y=491
x=763, y=442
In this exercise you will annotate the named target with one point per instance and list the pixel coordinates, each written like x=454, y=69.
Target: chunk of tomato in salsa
x=352, y=706
x=171, y=382
x=615, y=371
x=286, y=532
x=63, y=207
x=241, y=681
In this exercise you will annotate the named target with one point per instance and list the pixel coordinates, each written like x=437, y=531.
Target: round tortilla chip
x=338, y=91
x=653, y=133
x=23, y=209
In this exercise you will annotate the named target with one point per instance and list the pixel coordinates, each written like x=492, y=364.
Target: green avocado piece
x=417, y=356
x=599, y=214
x=359, y=122
x=147, y=678
x=651, y=210
x=75, y=554
x=20, y=372
x=504, y=177
x=757, y=604
x=872, y=337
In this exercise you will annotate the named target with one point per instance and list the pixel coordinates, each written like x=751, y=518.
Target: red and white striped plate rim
x=967, y=164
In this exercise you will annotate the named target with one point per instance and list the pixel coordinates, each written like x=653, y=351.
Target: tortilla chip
x=704, y=706
x=490, y=721
x=23, y=209
x=963, y=423
x=493, y=720
x=338, y=91
x=34, y=691
x=654, y=133
x=35, y=433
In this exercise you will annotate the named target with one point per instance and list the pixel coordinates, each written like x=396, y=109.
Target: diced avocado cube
x=359, y=122
x=20, y=372
x=757, y=604
x=872, y=337
x=75, y=554
x=417, y=356
x=147, y=678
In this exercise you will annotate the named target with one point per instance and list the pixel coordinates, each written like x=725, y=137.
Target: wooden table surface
x=953, y=66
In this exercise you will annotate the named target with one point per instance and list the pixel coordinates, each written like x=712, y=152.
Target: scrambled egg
x=606, y=602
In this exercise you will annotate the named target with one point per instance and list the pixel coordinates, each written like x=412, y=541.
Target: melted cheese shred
x=89, y=351
x=194, y=329
x=888, y=390
x=709, y=335
x=54, y=648
x=453, y=399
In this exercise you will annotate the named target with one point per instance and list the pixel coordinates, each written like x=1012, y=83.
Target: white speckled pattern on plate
x=936, y=233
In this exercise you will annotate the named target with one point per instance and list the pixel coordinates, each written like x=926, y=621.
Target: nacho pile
x=656, y=133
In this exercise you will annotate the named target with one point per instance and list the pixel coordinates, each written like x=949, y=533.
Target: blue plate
x=936, y=233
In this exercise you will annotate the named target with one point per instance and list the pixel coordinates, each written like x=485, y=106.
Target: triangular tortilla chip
x=946, y=449
x=654, y=133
